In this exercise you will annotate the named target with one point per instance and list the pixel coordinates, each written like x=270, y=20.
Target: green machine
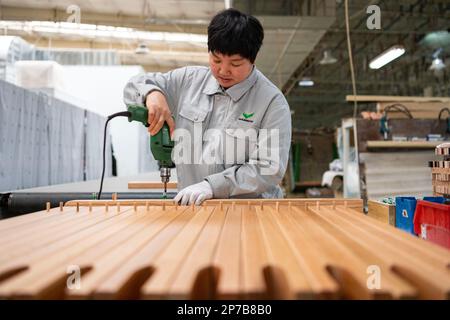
x=161, y=144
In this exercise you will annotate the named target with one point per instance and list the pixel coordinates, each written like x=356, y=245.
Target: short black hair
x=233, y=32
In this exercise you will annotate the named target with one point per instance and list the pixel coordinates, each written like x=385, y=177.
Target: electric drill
x=161, y=144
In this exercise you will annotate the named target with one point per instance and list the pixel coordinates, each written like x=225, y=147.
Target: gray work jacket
x=255, y=164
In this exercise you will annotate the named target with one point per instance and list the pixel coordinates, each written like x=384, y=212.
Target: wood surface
x=372, y=144
x=225, y=249
x=362, y=98
x=151, y=185
x=382, y=212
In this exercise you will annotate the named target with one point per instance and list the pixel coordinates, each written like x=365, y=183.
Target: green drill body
x=161, y=144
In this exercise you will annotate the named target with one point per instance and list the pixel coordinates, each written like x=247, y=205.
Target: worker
x=230, y=97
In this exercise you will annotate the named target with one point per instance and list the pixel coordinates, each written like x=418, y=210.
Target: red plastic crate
x=432, y=222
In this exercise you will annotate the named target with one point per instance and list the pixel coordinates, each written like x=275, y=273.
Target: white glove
x=196, y=193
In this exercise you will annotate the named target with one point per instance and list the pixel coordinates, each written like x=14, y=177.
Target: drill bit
x=165, y=176
x=165, y=191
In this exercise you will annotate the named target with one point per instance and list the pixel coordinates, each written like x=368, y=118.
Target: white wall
x=101, y=88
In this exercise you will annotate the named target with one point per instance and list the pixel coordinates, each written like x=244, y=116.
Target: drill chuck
x=165, y=174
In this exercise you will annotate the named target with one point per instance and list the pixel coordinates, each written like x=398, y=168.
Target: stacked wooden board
x=441, y=171
x=389, y=174
x=233, y=249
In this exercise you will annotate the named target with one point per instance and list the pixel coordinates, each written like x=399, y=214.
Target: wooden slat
x=254, y=256
x=24, y=219
x=110, y=262
x=437, y=286
x=40, y=253
x=33, y=283
x=126, y=281
x=199, y=259
x=429, y=251
x=227, y=256
x=366, y=98
x=373, y=144
x=308, y=258
x=151, y=185
x=281, y=255
x=348, y=259
x=170, y=261
x=353, y=203
x=39, y=238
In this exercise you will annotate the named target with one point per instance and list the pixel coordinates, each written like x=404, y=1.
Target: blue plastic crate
x=405, y=208
x=404, y=213
x=440, y=200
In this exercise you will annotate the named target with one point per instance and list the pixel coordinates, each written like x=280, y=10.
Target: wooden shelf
x=378, y=144
x=395, y=99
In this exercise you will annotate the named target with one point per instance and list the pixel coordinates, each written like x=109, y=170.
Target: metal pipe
x=18, y=203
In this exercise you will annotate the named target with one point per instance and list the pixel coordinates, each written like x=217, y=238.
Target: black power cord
x=118, y=114
x=399, y=108
x=442, y=112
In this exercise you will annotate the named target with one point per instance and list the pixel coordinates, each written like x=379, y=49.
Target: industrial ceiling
x=297, y=32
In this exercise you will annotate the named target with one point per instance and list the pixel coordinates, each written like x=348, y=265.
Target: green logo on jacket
x=246, y=117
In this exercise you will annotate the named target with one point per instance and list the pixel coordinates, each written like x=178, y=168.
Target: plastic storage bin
x=404, y=213
x=432, y=222
x=405, y=208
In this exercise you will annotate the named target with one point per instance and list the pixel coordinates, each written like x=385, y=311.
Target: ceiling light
x=228, y=4
x=306, y=82
x=437, y=64
x=327, y=58
x=99, y=31
x=437, y=39
x=142, y=49
x=386, y=57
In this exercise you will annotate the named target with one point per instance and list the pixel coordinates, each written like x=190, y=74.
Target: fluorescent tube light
x=100, y=31
x=306, y=82
x=386, y=57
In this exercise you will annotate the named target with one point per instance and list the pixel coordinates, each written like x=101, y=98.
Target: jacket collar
x=236, y=91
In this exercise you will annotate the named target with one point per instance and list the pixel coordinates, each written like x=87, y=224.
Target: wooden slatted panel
x=35, y=252
x=43, y=234
x=30, y=283
x=225, y=249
